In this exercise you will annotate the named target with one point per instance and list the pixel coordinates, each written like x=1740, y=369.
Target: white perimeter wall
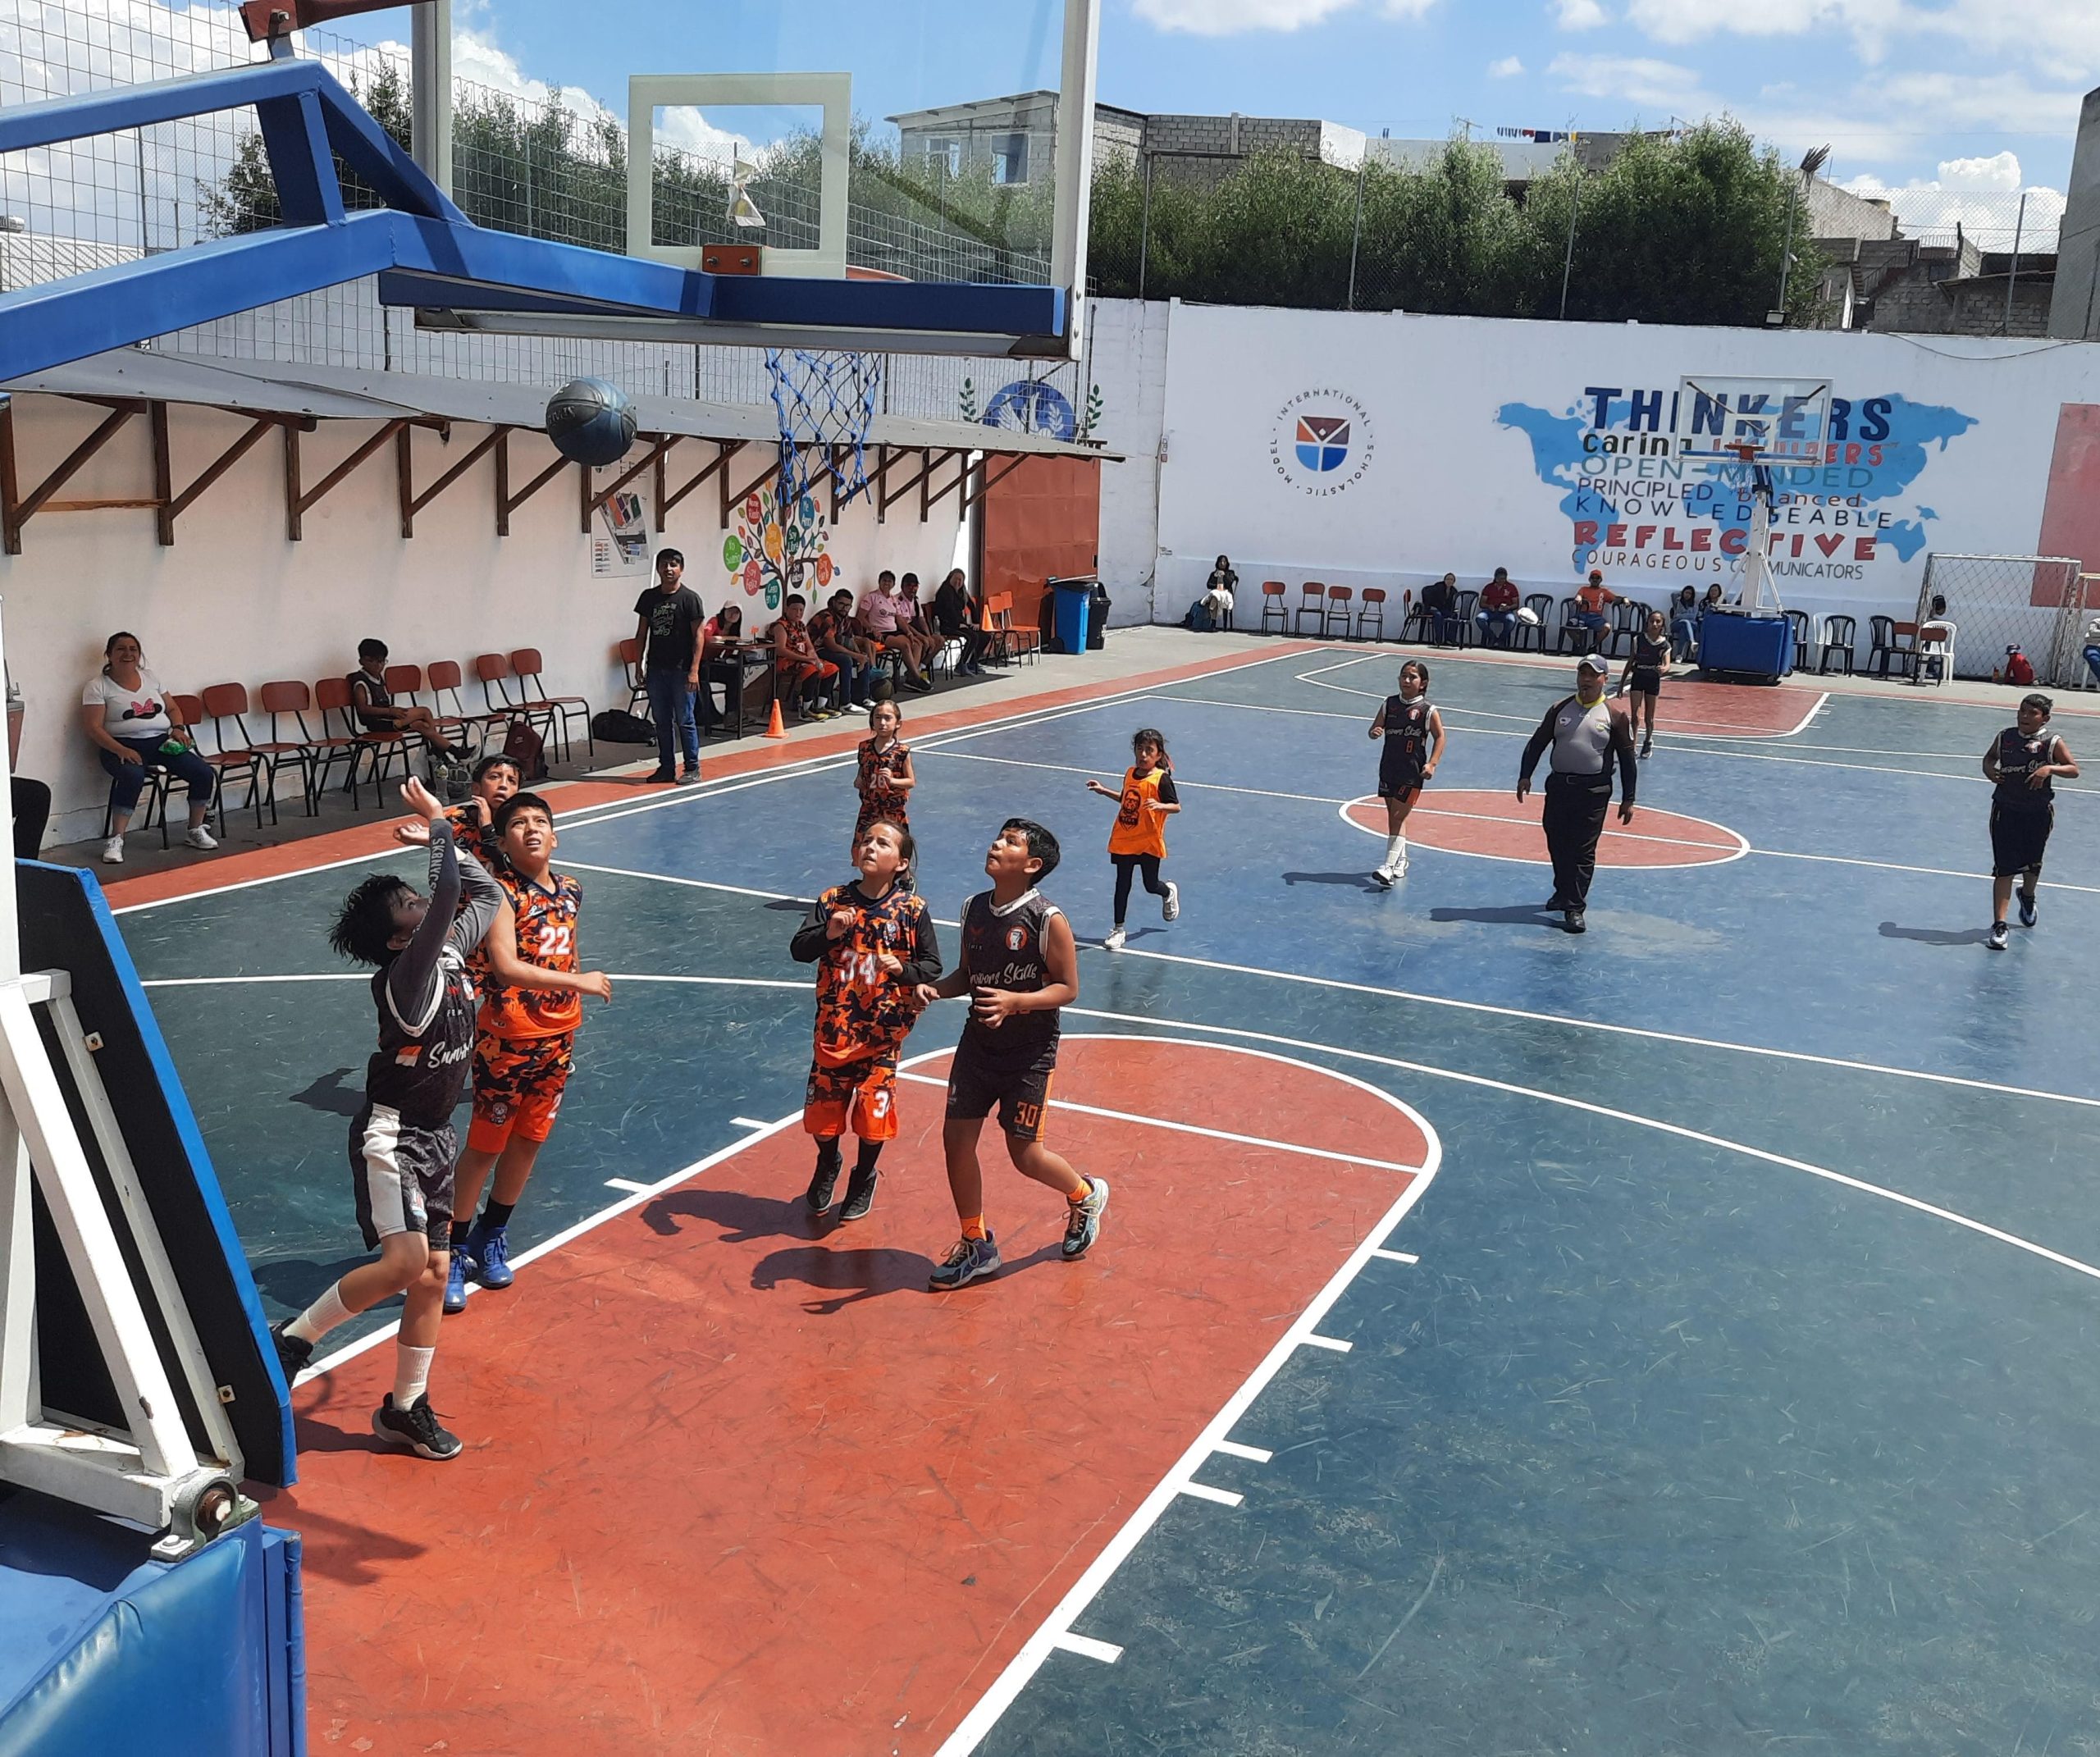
x=1475, y=443
x=233, y=601
x=1127, y=360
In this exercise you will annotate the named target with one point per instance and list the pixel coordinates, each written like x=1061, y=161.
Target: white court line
x=628, y=1184
x=1397, y=1257
x=1254, y=1454
x=1333, y=1344
x=1019, y=719
x=1073, y=768
x=1493, y=1011
x=747, y=1122
x=1087, y=1648
x=1215, y=1134
x=1203, y=1492
x=1010, y=1683
x=207, y=982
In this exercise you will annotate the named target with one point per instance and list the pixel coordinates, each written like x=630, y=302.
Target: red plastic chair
x=1273, y=605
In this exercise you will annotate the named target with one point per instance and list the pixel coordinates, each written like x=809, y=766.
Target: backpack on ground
x=1198, y=620
x=528, y=750
x=617, y=726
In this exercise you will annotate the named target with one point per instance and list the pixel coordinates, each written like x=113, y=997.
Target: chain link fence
x=2035, y=603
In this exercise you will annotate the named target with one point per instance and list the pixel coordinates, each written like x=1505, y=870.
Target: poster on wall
x=619, y=542
x=778, y=548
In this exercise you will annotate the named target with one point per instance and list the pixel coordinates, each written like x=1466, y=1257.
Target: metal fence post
x=1356, y=231
x=2012, y=274
x=1568, y=264
x=1144, y=229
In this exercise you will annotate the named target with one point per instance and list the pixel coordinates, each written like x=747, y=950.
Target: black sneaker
x=1999, y=935
x=1576, y=924
x=970, y=1258
x=415, y=1429
x=822, y=1183
x=1648, y=747
x=2029, y=909
x=293, y=1355
x=660, y=778
x=1083, y=1224
x=860, y=1195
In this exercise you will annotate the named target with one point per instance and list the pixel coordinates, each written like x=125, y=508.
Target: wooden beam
x=506, y=502
x=928, y=499
x=725, y=449
x=178, y=505
x=11, y=527
x=301, y=503
x=905, y=487
x=291, y=485
x=21, y=508
x=412, y=503
x=877, y=488
x=100, y=503
x=661, y=444
x=730, y=498
x=163, y=478
x=986, y=482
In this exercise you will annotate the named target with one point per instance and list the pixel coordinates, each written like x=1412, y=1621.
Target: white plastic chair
x=1935, y=647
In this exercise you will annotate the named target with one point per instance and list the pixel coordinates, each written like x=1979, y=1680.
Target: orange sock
x=1085, y=1190
x=973, y=1227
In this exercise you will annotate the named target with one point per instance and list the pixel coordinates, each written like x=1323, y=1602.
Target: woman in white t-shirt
x=135, y=726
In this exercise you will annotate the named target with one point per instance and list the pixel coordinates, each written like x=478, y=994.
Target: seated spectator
x=800, y=676
x=1935, y=639
x=1218, y=590
x=1712, y=601
x=134, y=726
x=31, y=803
x=1498, y=599
x=887, y=618
x=839, y=639
x=1440, y=599
x=377, y=711
x=958, y=617
x=1590, y=598
x=719, y=663
x=1684, y=626
x=918, y=620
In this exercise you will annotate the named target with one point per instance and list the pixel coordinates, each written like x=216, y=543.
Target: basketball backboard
x=1777, y=419
x=912, y=176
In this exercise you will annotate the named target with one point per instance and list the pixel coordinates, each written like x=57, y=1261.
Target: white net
x=2035, y=603
x=825, y=402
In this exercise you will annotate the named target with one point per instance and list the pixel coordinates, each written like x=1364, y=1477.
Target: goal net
x=2036, y=603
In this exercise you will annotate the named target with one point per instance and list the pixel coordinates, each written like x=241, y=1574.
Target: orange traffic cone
x=773, y=728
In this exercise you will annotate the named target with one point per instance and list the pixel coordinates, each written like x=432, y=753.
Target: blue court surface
x=1733, y=1386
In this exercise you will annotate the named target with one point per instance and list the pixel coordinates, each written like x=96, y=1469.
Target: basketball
x=884, y=691
x=590, y=420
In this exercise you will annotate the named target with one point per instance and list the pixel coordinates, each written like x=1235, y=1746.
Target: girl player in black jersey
x=1646, y=666
x=2022, y=761
x=1414, y=732
x=1018, y=965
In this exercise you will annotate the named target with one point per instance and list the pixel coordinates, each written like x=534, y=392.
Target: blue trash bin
x=1074, y=604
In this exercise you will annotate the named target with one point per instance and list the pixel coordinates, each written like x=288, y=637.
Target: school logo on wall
x=1321, y=442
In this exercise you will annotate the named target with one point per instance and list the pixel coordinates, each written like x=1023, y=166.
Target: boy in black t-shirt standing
x=1019, y=966
x=668, y=621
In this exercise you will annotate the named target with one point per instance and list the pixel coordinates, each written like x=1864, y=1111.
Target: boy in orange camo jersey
x=872, y=943
x=527, y=1036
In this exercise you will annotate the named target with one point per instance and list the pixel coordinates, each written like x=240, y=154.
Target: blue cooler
x=1074, y=604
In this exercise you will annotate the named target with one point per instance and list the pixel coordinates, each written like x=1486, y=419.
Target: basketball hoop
x=825, y=401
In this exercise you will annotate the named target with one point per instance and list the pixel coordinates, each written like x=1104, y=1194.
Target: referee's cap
x=1590, y=662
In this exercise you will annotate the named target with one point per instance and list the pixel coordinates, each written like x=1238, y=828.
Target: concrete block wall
x=1128, y=359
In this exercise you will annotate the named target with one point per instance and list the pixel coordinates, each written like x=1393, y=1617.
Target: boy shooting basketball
x=1018, y=965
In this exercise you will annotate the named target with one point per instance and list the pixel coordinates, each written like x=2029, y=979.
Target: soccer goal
x=2036, y=603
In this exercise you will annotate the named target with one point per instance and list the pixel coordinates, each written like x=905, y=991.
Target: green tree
x=245, y=199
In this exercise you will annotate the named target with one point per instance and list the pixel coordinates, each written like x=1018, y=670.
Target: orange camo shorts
x=860, y=1096
x=518, y=1084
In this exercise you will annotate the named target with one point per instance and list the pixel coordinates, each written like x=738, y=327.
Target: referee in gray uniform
x=1585, y=737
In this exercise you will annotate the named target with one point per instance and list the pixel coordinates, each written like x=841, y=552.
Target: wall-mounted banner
x=1551, y=448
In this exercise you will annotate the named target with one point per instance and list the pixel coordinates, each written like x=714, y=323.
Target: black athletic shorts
x=2019, y=839
x=1647, y=681
x=1398, y=780
x=1022, y=1094
x=401, y=1176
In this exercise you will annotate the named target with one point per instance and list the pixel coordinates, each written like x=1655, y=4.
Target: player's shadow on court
x=1351, y=881
x=329, y=1095
x=1523, y=915
x=1928, y=936
x=291, y=1281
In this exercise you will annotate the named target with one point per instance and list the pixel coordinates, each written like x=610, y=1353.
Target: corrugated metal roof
x=355, y=394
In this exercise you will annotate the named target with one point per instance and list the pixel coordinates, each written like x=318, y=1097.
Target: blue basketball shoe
x=455, y=1285
x=970, y=1259
x=489, y=1248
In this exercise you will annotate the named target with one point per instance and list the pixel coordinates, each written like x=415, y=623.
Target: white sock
x=411, y=1373
x=321, y=1317
x=1396, y=850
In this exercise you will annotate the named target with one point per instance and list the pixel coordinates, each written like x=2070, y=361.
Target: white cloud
x=1229, y=18
x=1632, y=79
x=1983, y=197
x=2063, y=37
x=1578, y=15
x=1508, y=68
x=2001, y=171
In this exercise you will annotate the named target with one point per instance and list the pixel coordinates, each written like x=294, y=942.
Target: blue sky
x=1958, y=95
